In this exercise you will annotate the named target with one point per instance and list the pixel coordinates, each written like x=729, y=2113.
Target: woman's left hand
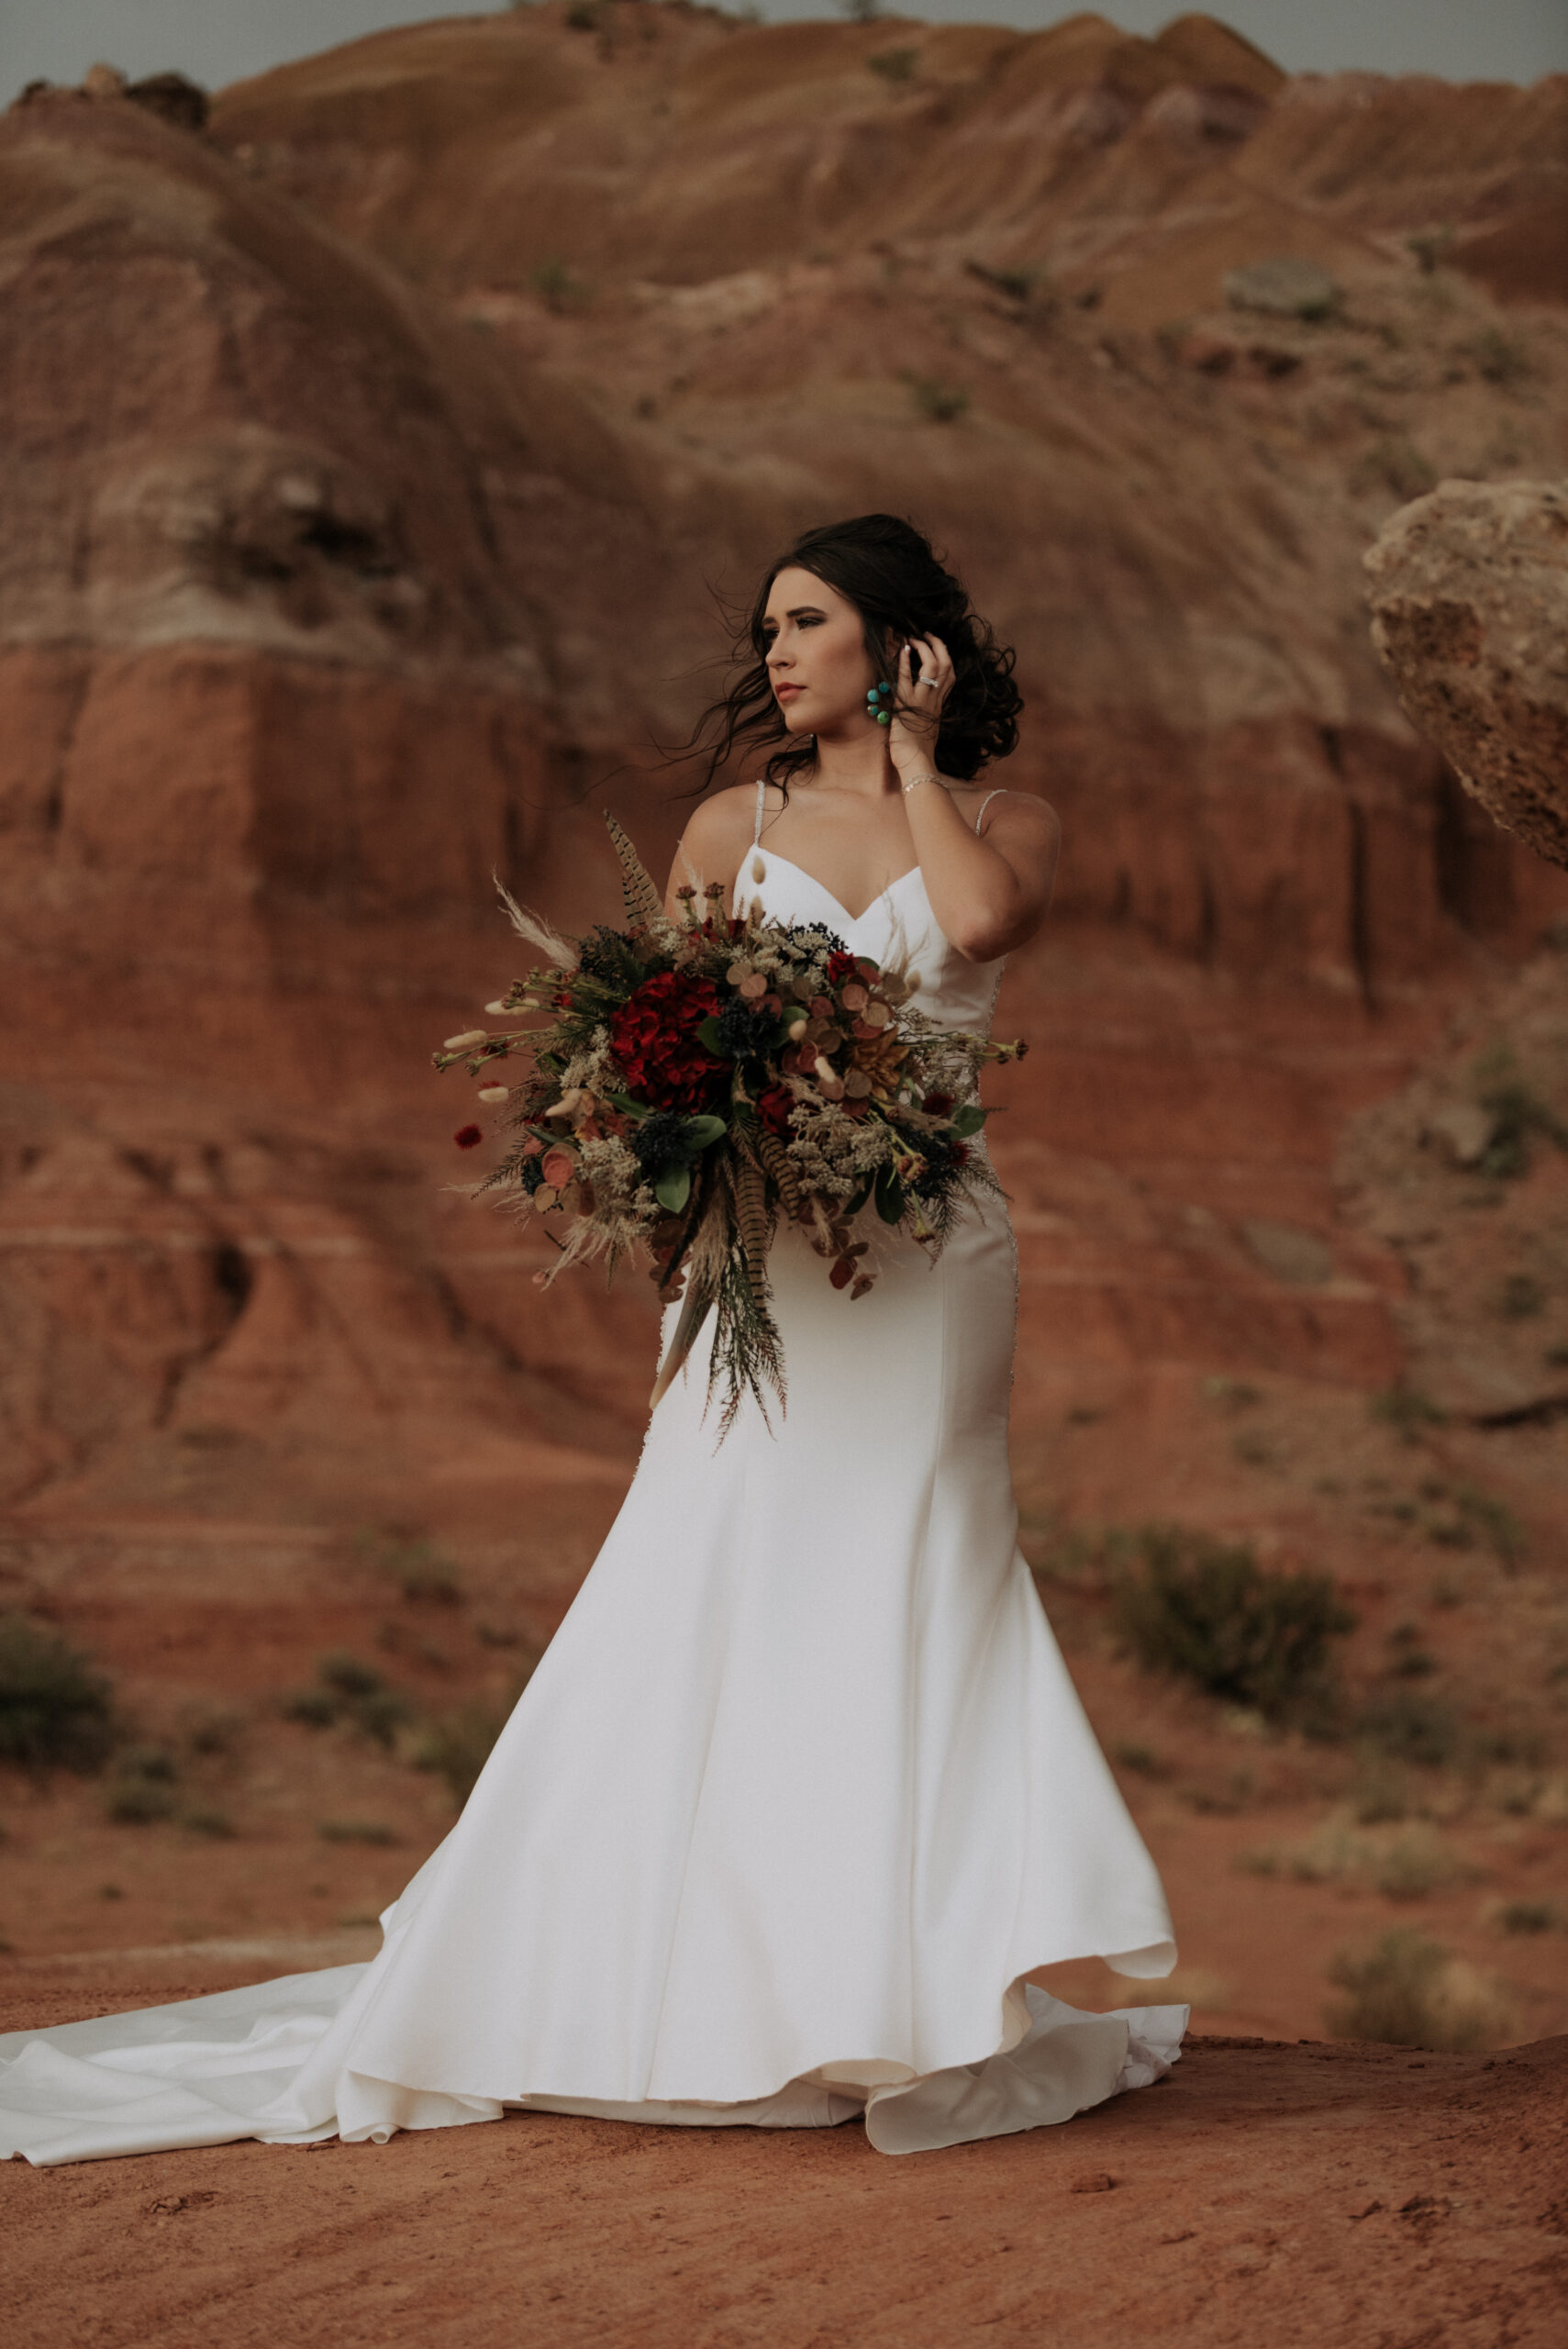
x=918, y=703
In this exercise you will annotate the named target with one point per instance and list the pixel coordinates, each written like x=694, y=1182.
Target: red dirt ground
x=1289, y=2194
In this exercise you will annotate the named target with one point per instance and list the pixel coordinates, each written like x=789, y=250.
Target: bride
x=801, y=1793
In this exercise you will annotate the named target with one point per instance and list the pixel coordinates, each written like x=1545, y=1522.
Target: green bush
x=54, y=1709
x=1207, y=1612
x=895, y=65
x=356, y=1830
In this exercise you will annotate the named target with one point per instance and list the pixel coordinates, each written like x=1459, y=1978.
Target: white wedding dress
x=799, y=1795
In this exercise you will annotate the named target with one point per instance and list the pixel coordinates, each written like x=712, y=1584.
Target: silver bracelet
x=917, y=780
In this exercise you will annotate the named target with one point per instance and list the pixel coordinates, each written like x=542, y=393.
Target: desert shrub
x=457, y=1745
x=356, y=1830
x=1518, y=1114
x=1129, y=1755
x=144, y=1788
x=1500, y=358
x=1393, y=463
x=423, y=1573
x=1518, y=1296
x=354, y=1693
x=1207, y=1611
x=1379, y=1790
x=1525, y=1917
x=215, y=1824
x=939, y=403
x=1473, y=1516
x=895, y=65
x=1409, y=1727
x=1408, y=1992
x=1408, y=1412
x=54, y=1709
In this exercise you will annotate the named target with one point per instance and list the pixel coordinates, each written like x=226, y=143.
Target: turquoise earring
x=878, y=705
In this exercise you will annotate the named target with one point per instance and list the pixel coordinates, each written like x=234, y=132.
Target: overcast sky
x=216, y=41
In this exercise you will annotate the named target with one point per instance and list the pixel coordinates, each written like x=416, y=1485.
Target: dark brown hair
x=887, y=570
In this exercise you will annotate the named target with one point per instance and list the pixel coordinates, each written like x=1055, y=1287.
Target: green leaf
x=629, y=1107
x=858, y=1198
x=703, y=1131
x=968, y=1120
x=707, y=1037
x=673, y=1188
x=889, y=1195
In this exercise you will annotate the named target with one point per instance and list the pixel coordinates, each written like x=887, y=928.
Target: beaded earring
x=879, y=704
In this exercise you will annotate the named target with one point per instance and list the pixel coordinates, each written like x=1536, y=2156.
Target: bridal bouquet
x=697, y=1081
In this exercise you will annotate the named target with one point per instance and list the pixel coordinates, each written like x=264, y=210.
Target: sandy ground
x=1268, y=2192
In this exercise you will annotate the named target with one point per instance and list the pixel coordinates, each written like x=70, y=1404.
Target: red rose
x=773, y=1107
x=841, y=967
x=653, y=1038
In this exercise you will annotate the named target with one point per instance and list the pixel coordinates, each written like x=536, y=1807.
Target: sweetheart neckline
x=821, y=887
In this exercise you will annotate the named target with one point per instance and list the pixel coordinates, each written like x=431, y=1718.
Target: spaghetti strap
x=757, y=828
x=997, y=794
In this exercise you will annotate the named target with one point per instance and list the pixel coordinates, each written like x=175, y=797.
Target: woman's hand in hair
x=918, y=706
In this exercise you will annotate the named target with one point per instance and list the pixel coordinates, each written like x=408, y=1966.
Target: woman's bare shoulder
x=717, y=833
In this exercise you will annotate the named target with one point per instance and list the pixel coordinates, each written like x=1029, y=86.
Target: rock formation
x=1470, y=617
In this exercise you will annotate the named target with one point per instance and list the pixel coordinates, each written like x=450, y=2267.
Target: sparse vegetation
x=144, y=1788
x=1207, y=1611
x=1409, y=1413
x=937, y=402
x=1518, y=1298
x=457, y=1745
x=1129, y=1754
x=1405, y=1727
x=55, y=1711
x=1408, y=1992
x=423, y=1573
x=895, y=65
x=215, y=1824
x=1500, y=358
x=553, y=281
x=351, y=1692
x=356, y=1830
x=1518, y=1114
x=1395, y=463
x=1403, y=1866
x=1527, y=1916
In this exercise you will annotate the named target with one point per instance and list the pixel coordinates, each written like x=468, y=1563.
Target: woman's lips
x=788, y=693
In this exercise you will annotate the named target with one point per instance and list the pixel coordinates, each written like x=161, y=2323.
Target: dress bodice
x=899, y=929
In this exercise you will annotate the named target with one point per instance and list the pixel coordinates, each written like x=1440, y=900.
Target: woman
x=801, y=1791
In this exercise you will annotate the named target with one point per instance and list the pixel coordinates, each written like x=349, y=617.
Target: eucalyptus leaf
x=969, y=1120
x=673, y=1188
x=702, y=1132
x=889, y=1197
x=708, y=1037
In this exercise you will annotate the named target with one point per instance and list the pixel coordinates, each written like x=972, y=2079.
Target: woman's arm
x=989, y=895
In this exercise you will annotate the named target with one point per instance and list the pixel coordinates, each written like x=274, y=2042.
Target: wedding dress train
x=798, y=1796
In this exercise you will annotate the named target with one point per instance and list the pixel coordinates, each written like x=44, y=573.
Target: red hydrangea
x=653, y=1038
x=773, y=1107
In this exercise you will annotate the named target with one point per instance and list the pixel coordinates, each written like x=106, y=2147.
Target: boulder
x=1469, y=600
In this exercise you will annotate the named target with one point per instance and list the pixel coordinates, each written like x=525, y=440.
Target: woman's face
x=816, y=652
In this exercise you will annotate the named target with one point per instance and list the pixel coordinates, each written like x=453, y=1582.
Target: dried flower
x=461, y=1043
x=467, y=1136
x=495, y=1093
